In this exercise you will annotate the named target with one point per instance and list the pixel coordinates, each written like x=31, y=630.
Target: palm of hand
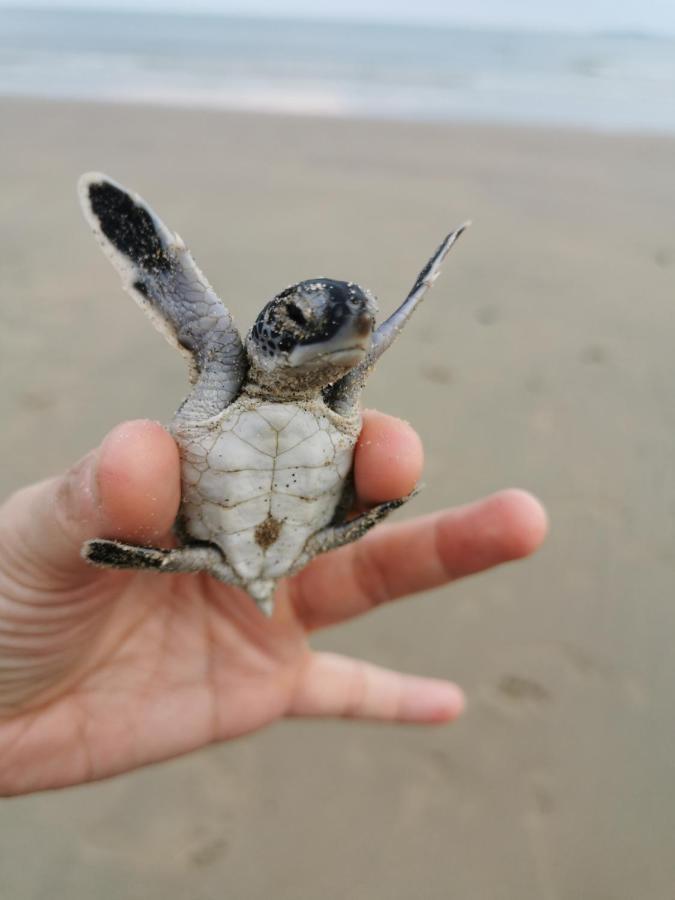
x=179, y=662
x=106, y=671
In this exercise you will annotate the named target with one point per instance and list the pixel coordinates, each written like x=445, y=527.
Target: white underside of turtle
x=267, y=435
x=260, y=479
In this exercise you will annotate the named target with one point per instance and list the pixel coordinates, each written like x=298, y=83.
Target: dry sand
x=544, y=358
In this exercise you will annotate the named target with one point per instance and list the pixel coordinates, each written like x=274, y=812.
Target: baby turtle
x=267, y=434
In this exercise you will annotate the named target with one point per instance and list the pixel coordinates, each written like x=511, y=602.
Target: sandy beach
x=544, y=358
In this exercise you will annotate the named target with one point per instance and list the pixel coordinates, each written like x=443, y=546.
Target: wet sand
x=544, y=358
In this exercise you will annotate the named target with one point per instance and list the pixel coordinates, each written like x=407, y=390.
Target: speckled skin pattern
x=261, y=478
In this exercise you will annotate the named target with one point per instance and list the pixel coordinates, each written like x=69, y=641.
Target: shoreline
x=349, y=118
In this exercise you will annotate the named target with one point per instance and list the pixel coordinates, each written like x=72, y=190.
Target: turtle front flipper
x=344, y=395
x=159, y=273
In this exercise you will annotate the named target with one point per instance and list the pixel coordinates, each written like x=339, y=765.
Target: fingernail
x=78, y=494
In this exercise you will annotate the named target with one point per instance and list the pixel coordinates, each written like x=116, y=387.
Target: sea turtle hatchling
x=266, y=436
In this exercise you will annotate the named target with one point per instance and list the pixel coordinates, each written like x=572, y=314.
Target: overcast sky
x=644, y=15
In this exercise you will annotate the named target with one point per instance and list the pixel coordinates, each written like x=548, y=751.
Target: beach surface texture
x=543, y=358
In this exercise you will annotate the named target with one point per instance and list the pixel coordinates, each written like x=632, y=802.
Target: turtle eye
x=295, y=313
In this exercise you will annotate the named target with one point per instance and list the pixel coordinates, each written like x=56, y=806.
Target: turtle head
x=311, y=334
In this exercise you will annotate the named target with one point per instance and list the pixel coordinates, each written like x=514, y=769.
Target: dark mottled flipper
x=159, y=273
x=111, y=554
x=115, y=555
x=335, y=536
x=344, y=395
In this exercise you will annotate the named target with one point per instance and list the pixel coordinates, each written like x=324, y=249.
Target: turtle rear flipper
x=159, y=273
x=337, y=535
x=190, y=558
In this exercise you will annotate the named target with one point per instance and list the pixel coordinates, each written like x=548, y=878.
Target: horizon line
x=180, y=10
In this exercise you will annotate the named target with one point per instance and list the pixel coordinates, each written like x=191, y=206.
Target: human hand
x=104, y=671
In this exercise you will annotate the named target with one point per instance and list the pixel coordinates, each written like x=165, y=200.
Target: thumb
x=128, y=488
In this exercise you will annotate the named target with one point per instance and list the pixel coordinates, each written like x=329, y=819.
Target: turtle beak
x=353, y=342
x=363, y=325
x=348, y=347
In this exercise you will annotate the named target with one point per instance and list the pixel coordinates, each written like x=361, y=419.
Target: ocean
x=598, y=81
